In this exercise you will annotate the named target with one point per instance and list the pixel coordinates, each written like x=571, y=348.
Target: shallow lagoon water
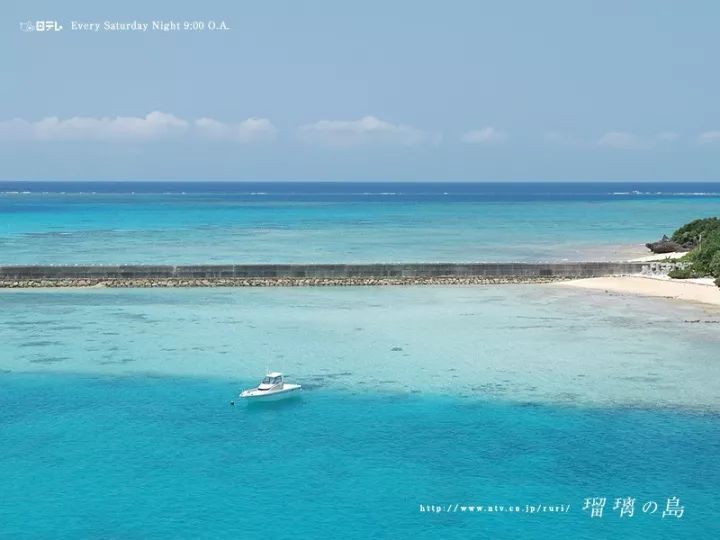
x=536, y=343
x=116, y=421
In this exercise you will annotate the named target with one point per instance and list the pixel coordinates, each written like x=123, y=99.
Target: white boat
x=271, y=388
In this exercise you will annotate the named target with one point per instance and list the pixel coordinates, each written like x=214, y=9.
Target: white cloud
x=367, y=130
x=626, y=140
x=152, y=126
x=709, y=137
x=613, y=139
x=622, y=140
x=247, y=131
x=485, y=135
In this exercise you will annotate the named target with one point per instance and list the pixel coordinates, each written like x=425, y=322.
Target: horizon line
x=321, y=181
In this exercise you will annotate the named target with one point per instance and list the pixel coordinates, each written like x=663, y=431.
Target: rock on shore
x=666, y=245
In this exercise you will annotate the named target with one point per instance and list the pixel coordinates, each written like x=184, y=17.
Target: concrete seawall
x=306, y=274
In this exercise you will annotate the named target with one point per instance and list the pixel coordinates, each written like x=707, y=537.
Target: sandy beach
x=696, y=290
x=660, y=257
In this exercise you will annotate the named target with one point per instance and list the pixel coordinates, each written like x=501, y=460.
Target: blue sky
x=371, y=90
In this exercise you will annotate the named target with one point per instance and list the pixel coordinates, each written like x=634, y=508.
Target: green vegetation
x=691, y=232
x=685, y=273
x=704, y=259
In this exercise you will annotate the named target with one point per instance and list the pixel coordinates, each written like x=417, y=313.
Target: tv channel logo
x=40, y=26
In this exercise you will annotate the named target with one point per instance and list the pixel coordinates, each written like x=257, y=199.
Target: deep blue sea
x=320, y=222
x=158, y=457
x=419, y=403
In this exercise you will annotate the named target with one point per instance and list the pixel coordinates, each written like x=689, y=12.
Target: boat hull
x=290, y=390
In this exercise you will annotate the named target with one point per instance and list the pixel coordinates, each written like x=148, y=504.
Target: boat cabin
x=271, y=380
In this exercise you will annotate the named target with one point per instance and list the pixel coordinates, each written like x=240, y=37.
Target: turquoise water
x=165, y=457
x=115, y=415
x=183, y=223
x=545, y=344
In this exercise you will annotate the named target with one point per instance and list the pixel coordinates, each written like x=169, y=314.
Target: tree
x=693, y=231
x=704, y=259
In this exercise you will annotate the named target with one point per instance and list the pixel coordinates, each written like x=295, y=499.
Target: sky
x=394, y=90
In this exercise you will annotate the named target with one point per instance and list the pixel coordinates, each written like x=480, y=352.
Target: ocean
x=427, y=412
x=297, y=222
x=162, y=457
